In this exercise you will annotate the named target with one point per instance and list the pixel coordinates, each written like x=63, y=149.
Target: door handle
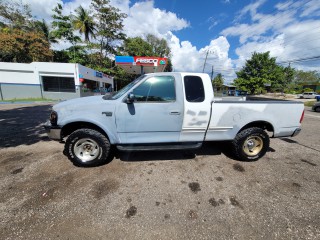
x=174, y=113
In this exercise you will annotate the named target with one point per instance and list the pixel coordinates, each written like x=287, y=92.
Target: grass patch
x=309, y=103
x=28, y=100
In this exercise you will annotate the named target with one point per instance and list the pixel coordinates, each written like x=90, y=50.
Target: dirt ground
x=155, y=195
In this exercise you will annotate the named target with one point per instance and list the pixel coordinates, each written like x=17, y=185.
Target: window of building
x=58, y=84
x=194, y=89
x=156, y=89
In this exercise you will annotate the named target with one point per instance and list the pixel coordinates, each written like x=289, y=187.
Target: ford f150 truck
x=168, y=111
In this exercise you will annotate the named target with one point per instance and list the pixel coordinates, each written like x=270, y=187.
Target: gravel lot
x=155, y=195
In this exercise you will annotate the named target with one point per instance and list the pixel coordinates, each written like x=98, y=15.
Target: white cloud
x=186, y=57
x=288, y=33
x=157, y=22
x=42, y=9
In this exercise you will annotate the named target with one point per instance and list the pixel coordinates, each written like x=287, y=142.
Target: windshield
x=126, y=88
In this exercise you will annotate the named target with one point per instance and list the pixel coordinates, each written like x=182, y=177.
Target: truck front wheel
x=251, y=144
x=87, y=147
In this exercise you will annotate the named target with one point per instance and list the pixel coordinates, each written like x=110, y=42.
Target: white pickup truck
x=168, y=111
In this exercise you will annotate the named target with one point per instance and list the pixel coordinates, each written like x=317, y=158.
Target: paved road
x=156, y=195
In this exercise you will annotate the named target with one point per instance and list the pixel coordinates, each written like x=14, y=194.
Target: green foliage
x=62, y=26
x=137, y=47
x=159, y=46
x=262, y=69
x=218, y=81
x=109, y=27
x=15, y=15
x=23, y=47
x=84, y=22
x=43, y=28
x=307, y=90
x=309, y=77
x=309, y=103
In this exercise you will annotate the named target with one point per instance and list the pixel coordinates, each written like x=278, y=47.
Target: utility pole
x=205, y=61
x=212, y=73
x=213, y=83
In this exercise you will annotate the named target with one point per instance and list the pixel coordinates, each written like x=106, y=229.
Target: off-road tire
x=87, y=148
x=240, y=144
x=317, y=109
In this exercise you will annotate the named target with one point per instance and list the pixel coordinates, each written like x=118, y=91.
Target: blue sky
x=229, y=30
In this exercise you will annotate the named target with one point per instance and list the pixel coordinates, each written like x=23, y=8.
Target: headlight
x=53, y=118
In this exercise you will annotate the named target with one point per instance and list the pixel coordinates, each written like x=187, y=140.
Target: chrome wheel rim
x=253, y=145
x=86, y=149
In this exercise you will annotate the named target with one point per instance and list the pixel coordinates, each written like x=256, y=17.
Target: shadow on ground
x=208, y=148
x=23, y=126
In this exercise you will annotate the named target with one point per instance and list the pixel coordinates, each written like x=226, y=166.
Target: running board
x=158, y=147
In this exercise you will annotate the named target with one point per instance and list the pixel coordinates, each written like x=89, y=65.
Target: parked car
x=163, y=111
x=316, y=107
x=309, y=95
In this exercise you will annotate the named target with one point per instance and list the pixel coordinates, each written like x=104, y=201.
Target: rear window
x=194, y=89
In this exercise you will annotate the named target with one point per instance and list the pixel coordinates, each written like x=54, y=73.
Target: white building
x=51, y=81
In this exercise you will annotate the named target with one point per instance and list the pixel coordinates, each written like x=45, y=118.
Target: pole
x=205, y=61
x=1, y=92
x=212, y=73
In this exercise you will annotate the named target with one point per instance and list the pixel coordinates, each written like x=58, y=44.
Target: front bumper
x=53, y=132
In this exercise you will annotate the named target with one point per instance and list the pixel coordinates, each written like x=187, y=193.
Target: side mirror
x=130, y=98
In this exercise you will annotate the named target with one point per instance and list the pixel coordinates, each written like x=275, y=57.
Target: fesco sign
x=155, y=61
x=147, y=60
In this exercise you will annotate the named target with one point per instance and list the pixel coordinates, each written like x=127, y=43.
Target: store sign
x=155, y=61
x=99, y=74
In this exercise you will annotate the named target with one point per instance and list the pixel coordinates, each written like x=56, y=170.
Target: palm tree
x=43, y=28
x=84, y=23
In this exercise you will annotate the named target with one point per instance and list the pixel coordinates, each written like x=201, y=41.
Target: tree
x=84, y=23
x=159, y=46
x=137, y=47
x=261, y=69
x=309, y=77
x=23, y=47
x=218, y=81
x=62, y=26
x=109, y=27
x=42, y=27
x=20, y=41
x=15, y=15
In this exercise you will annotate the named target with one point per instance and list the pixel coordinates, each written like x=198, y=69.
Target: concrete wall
x=11, y=91
x=62, y=95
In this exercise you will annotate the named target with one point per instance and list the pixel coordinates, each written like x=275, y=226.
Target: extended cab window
x=194, y=89
x=156, y=89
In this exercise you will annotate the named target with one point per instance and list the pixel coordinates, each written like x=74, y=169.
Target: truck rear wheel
x=87, y=147
x=251, y=144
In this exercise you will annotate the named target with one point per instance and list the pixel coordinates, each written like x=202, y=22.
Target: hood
x=82, y=107
x=79, y=102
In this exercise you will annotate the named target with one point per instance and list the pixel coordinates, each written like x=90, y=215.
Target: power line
x=300, y=60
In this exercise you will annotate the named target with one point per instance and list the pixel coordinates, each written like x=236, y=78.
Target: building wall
x=62, y=95
x=12, y=91
x=21, y=80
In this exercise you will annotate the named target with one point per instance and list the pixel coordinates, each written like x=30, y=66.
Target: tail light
x=302, y=116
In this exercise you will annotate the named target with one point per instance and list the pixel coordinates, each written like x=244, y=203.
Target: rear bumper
x=53, y=132
x=287, y=132
x=296, y=132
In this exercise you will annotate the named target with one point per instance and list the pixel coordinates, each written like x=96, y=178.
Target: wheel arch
x=73, y=126
x=265, y=125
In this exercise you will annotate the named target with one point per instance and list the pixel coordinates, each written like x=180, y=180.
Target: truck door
x=156, y=115
x=197, y=108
